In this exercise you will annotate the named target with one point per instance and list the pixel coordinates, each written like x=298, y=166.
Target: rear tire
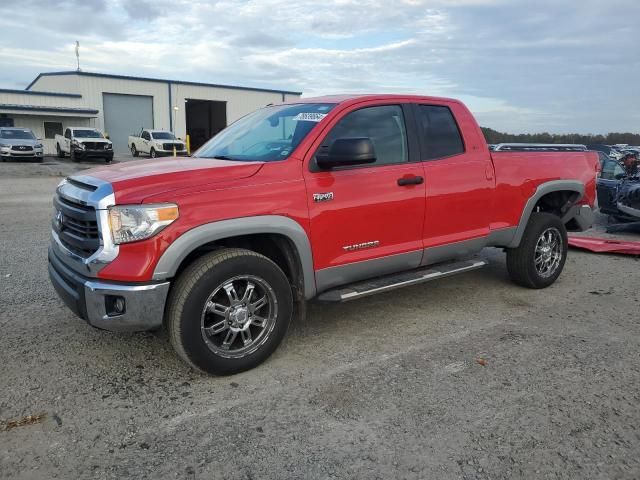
x=540, y=258
x=134, y=150
x=221, y=325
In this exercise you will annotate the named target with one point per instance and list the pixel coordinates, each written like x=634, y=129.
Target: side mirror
x=347, y=152
x=620, y=176
x=106, y=135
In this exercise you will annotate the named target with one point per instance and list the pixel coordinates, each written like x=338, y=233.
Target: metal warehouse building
x=122, y=105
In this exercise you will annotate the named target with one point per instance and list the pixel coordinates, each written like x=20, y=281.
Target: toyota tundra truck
x=332, y=198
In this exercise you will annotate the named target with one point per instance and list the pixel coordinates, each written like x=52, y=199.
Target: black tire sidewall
x=190, y=331
x=540, y=223
x=152, y=153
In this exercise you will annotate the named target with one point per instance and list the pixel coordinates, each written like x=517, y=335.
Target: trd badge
x=322, y=197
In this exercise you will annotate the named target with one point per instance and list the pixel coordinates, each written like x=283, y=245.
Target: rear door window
x=439, y=131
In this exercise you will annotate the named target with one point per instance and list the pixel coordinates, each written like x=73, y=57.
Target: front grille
x=169, y=146
x=77, y=226
x=22, y=148
x=94, y=145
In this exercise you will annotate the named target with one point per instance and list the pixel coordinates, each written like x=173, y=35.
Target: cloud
x=555, y=66
x=146, y=10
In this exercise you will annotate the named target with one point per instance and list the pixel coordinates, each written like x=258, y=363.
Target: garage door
x=125, y=115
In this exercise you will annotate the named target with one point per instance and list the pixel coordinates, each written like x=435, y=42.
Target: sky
x=559, y=66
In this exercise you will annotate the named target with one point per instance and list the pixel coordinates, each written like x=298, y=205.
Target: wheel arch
x=556, y=196
x=280, y=238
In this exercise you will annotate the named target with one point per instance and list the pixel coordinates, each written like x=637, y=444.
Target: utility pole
x=78, y=53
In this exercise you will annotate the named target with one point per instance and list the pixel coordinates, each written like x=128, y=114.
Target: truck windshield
x=87, y=134
x=17, y=134
x=266, y=135
x=163, y=136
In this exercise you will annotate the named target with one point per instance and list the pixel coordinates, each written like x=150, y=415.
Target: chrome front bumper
x=95, y=301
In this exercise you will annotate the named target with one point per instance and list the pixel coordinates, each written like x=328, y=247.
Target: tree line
x=493, y=136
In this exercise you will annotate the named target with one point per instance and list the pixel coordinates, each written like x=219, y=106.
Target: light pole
x=175, y=111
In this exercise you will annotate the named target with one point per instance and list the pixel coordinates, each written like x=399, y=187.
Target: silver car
x=19, y=143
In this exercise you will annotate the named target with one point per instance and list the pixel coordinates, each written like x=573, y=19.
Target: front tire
x=228, y=311
x=540, y=258
x=152, y=153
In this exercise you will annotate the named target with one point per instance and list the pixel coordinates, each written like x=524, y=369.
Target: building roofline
x=45, y=94
x=36, y=108
x=160, y=80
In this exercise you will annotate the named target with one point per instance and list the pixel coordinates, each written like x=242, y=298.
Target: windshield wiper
x=223, y=157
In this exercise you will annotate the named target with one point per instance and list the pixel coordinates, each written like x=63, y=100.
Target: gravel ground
x=470, y=377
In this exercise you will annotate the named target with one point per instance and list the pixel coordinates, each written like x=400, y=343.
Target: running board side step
x=398, y=280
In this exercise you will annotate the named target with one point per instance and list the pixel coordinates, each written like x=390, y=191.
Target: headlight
x=4, y=145
x=76, y=143
x=108, y=146
x=39, y=145
x=130, y=223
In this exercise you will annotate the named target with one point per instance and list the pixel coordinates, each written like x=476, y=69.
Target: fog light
x=114, y=305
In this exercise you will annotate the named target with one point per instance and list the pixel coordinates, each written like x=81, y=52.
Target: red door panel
x=368, y=206
x=459, y=174
x=459, y=200
x=369, y=214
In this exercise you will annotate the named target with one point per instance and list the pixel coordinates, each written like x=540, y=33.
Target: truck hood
x=134, y=181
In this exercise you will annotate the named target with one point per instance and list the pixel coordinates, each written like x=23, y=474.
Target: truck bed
x=524, y=171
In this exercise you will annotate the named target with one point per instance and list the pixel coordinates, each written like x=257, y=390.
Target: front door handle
x=404, y=181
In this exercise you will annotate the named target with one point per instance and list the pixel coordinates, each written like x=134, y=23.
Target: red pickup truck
x=333, y=198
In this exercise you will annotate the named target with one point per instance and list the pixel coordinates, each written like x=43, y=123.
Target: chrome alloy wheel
x=548, y=254
x=238, y=316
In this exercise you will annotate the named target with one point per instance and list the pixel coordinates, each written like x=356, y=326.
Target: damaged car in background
x=619, y=188
x=628, y=199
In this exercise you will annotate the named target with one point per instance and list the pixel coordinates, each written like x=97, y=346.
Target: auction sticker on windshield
x=309, y=117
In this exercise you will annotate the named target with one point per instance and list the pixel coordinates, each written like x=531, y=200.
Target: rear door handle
x=404, y=181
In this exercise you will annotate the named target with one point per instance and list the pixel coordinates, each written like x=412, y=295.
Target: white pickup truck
x=156, y=143
x=84, y=142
